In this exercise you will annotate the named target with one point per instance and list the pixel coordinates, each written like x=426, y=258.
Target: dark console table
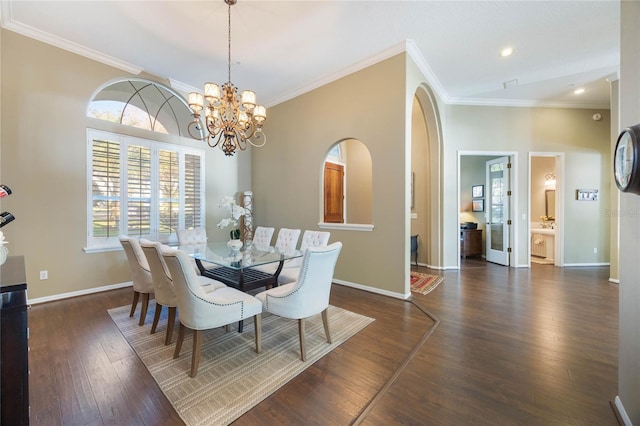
x=14, y=347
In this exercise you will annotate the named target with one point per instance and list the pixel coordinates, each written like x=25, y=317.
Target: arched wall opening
x=426, y=173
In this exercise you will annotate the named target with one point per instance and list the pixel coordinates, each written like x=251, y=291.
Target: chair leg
x=195, y=353
x=170, y=323
x=156, y=317
x=176, y=353
x=325, y=322
x=303, y=352
x=136, y=296
x=143, y=309
x=257, y=325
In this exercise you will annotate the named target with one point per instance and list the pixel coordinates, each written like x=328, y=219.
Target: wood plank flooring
x=509, y=346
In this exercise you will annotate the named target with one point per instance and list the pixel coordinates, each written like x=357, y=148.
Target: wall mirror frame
x=550, y=203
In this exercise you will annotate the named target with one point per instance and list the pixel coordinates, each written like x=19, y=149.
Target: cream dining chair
x=140, y=274
x=262, y=237
x=199, y=310
x=163, y=284
x=307, y=296
x=291, y=267
x=286, y=242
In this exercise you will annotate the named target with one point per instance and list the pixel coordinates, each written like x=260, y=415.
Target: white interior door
x=497, y=214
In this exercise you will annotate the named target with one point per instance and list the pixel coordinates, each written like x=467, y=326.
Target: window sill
x=346, y=226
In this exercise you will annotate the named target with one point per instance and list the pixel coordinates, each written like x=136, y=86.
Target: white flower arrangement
x=235, y=213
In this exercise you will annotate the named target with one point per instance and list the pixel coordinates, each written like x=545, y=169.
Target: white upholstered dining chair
x=291, y=267
x=199, y=310
x=262, y=237
x=285, y=243
x=140, y=275
x=187, y=237
x=163, y=284
x=309, y=295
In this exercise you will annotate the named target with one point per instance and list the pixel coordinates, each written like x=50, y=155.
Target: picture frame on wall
x=477, y=205
x=477, y=191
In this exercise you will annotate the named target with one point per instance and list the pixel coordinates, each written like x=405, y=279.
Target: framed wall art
x=477, y=191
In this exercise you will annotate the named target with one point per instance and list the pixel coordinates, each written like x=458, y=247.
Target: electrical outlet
x=595, y=250
x=44, y=275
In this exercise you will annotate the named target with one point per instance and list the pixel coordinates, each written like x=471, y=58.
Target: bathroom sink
x=544, y=231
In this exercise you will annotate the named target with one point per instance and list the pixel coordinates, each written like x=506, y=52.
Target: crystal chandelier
x=231, y=120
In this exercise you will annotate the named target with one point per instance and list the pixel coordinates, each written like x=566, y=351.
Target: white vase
x=235, y=245
x=4, y=252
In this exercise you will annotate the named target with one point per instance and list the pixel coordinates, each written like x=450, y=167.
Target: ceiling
x=281, y=49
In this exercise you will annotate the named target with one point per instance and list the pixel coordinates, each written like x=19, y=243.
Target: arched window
x=141, y=187
x=347, y=187
x=143, y=104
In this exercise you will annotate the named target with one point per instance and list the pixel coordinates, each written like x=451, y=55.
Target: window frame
x=98, y=244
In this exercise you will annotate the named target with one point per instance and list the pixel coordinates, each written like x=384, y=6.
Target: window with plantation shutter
x=138, y=191
x=192, y=192
x=105, y=189
x=169, y=191
x=141, y=188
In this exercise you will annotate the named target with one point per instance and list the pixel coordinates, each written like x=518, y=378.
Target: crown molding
x=183, y=87
x=433, y=81
x=523, y=103
x=10, y=24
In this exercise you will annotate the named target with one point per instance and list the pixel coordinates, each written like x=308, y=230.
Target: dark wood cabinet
x=470, y=242
x=14, y=345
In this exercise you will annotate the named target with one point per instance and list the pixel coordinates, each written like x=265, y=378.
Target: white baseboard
x=614, y=280
x=623, y=414
x=78, y=293
x=373, y=289
x=588, y=264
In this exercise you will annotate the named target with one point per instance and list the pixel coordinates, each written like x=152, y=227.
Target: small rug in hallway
x=232, y=377
x=424, y=283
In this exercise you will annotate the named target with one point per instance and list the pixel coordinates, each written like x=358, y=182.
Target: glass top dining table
x=235, y=268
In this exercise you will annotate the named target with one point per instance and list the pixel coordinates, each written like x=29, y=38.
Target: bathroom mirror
x=550, y=203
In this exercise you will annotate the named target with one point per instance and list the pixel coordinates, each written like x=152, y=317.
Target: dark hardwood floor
x=496, y=346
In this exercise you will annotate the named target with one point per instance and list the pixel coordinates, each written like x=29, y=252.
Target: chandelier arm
x=259, y=135
x=211, y=138
x=194, y=128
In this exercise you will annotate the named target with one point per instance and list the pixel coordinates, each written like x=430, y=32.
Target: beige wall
x=629, y=217
x=368, y=105
x=45, y=91
x=584, y=142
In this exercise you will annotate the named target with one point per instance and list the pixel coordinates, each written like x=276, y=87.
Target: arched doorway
x=426, y=178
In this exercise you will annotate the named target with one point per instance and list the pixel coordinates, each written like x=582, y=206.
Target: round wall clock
x=626, y=162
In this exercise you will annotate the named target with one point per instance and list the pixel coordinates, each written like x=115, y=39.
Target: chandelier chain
x=229, y=42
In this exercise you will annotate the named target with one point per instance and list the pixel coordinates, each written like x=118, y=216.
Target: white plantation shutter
x=141, y=188
x=168, y=192
x=138, y=191
x=193, y=192
x=105, y=189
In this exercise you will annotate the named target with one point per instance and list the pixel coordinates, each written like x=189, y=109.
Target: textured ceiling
x=281, y=49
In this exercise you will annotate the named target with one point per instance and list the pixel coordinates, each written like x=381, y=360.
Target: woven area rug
x=232, y=377
x=424, y=283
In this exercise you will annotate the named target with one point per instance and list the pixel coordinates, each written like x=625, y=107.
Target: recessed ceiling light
x=579, y=91
x=507, y=51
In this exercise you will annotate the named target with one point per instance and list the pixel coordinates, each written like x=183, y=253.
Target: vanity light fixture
x=507, y=51
x=550, y=179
